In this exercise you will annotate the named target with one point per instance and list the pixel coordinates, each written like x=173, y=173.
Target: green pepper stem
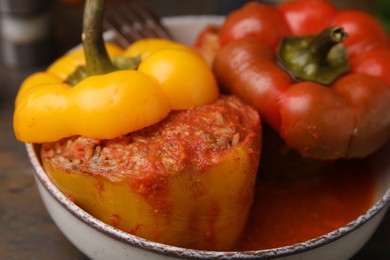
x=319, y=58
x=321, y=45
x=97, y=59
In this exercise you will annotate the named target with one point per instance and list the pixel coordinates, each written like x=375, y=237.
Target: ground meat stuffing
x=196, y=138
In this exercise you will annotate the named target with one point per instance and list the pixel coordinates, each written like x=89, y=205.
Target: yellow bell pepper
x=171, y=76
x=207, y=207
x=184, y=204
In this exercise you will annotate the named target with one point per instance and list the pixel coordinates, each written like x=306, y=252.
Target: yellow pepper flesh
x=206, y=210
x=144, y=48
x=182, y=73
x=67, y=64
x=112, y=104
x=103, y=106
x=186, y=78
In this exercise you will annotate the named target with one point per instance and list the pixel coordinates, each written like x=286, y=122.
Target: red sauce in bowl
x=289, y=212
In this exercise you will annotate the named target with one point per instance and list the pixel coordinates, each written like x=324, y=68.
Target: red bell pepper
x=328, y=95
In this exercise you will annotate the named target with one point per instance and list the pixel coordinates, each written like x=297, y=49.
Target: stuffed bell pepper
x=142, y=140
x=317, y=75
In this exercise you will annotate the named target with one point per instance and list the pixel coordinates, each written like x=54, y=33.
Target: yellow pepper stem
x=97, y=59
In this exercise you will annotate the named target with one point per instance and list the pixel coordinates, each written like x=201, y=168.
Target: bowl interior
x=379, y=163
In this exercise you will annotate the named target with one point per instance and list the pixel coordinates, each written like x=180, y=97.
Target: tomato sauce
x=289, y=212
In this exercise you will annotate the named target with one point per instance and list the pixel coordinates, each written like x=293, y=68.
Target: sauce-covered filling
x=197, y=138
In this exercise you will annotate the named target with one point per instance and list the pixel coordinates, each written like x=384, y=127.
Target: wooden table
x=26, y=229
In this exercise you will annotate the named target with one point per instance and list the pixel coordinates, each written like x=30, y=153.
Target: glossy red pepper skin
x=349, y=118
x=306, y=17
x=254, y=20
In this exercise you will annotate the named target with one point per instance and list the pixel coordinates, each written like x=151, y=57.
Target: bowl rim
x=174, y=251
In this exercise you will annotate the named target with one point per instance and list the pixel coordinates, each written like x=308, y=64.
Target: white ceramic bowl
x=101, y=241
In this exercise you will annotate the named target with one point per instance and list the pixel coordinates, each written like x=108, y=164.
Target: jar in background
x=25, y=38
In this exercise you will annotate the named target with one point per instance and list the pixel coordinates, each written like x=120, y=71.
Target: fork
x=132, y=20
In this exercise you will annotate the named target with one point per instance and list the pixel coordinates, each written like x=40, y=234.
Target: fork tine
x=135, y=18
x=153, y=22
x=132, y=21
x=117, y=20
x=118, y=38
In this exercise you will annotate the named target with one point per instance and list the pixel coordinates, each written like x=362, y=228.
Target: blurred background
x=33, y=33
